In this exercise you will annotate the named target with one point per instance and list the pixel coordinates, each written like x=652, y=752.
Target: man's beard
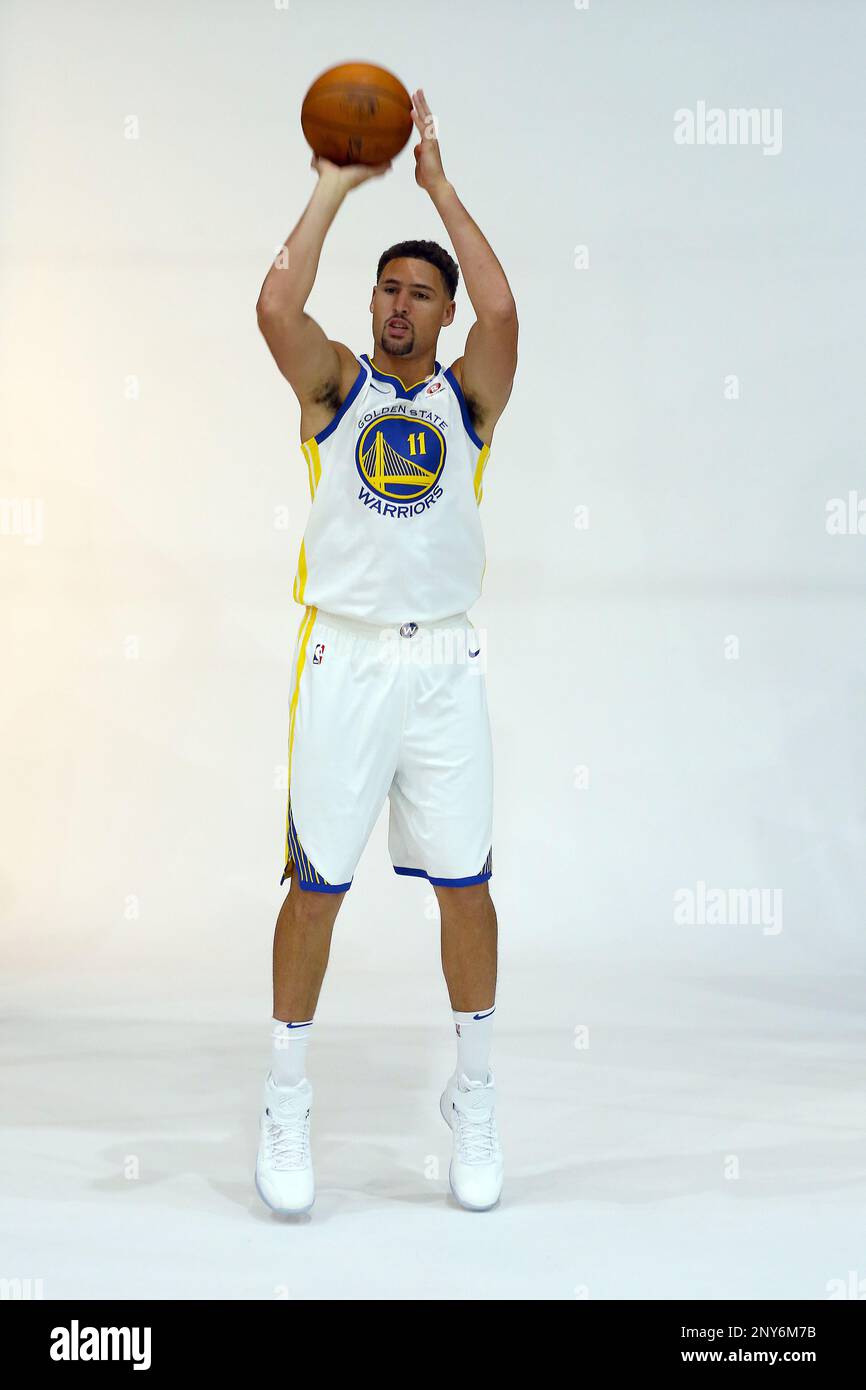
x=400, y=346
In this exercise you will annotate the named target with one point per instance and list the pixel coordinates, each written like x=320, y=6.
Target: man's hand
x=346, y=176
x=429, y=173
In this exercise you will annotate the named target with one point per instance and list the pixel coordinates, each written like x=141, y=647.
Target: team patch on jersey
x=400, y=458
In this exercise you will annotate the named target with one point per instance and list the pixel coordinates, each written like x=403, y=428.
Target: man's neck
x=408, y=370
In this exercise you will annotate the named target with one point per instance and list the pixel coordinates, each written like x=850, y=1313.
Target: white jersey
x=394, y=533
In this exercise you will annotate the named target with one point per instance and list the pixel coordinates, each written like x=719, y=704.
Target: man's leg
x=302, y=941
x=302, y=944
x=469, y=935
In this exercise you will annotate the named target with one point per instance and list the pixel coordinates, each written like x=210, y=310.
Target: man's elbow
x=278, y=319
x=501, y=312
x=505, y=325
x=265, y=309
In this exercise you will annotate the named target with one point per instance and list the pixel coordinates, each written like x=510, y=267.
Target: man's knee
x=311, y=906
x=471, y=895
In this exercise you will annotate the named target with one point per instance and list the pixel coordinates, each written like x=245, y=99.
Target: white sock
x=474, y=1037
x=289, y=1051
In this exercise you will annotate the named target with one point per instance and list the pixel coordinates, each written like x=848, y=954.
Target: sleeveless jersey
x=394, y=534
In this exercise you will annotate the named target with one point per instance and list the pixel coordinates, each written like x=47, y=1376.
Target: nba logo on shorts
x=318, y=654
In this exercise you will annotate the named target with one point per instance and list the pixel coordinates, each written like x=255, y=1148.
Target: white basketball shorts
x=397, y=711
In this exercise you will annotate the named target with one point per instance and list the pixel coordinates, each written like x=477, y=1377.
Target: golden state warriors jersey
x=394, y=533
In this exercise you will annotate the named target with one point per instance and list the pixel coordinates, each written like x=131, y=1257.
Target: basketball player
x=392, y=557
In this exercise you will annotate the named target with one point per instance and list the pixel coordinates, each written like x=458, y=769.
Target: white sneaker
x=476, y=1168
x=284, y=1168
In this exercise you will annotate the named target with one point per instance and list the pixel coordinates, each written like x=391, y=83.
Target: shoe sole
x=283, y=1211
x=467, y=1206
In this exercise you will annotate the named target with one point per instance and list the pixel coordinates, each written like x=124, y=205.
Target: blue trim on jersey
x=405, y=393
x=356, y=386
x=464, y=409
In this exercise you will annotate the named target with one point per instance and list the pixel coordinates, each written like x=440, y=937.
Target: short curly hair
x=423, y=251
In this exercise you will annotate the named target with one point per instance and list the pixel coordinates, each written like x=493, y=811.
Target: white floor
x=709, y=1143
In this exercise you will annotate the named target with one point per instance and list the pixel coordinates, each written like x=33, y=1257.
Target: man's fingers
x=351, y=174
x=371, y=171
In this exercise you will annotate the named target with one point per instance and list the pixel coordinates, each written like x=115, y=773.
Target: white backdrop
x=674, y=637
x=676, y=687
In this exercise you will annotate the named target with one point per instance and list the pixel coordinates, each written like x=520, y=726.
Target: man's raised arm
x=309, y=361
x=486, y=369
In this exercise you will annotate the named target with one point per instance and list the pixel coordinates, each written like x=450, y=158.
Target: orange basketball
x=357, y=114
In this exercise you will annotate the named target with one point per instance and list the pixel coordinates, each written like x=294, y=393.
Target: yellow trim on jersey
x=310, y=450
x=301, y=577
x=480, y=465
x=395, y=377
x=304, y=631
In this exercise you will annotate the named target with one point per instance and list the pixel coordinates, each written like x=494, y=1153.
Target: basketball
x=357, y=113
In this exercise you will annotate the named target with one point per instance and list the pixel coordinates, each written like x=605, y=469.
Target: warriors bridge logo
x=400, y=458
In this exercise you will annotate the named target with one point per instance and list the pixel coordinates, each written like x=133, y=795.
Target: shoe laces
x=289, y=1143
x=477, y=1140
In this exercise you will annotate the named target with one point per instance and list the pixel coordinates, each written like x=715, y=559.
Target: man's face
x=409, y=307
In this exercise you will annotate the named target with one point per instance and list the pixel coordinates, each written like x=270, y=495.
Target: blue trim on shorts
x=482, y=877
x=324, y=887
x=308, y=876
